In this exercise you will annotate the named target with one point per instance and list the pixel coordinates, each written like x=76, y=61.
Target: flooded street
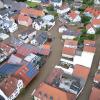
x=53, y=59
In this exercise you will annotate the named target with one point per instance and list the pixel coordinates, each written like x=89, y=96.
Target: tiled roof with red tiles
x=69, y=51
x=71, y=42
x=95, y=22
x=89, y=42
x=24, y=18
x=97, y=77
x=95, y=94
x=92, y=11
x=33, y=12
x=45, y=91
x=73, y=14
x=81, y=71
x=89, y=49
x=88, y=26
x=9, y=85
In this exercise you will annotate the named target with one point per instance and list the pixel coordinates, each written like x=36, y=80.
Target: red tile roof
x=89, y=42
x=95, y=94
x=45, y=91
x=57, y=72
x=69, y=51
x=9, y=85
x=71, y=42
x=88, y=26
x=24, y=18
x=81, y=71
x=97, y=77
x=73, y=14
x=92, y=11
x=33, y=12
x=89, y=49
x=96, y=22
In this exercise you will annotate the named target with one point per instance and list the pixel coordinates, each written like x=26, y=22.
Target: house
x=62, y=29
x=27, y=35
x=32, y=12
x=37, y=24
x=69, y=51
x=88, y=53
x=28, y=72
x=45, y=91
x=14, y=59
x=70, y=44
x=89, y=43
x=24, y=20
x=40, y=39
x=8, y=25
x=4, y=36
x=70, y=34
x=56, y=3
x=81, y=71
x=96, y=23
x=5, y=51
x=10, y=87
x=37, y=1
x=48, y=20
x=59, y=79
x=74, y=16
x=92, y=12
x=63, y=9
x=77, y=3
x=95, y=94
x=90, y=29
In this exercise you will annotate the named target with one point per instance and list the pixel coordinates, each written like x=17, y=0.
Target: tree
x=98, y=31
x=50, y=8
x=85, y=19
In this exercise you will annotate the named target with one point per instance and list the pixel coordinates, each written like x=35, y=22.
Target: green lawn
x=32, y=4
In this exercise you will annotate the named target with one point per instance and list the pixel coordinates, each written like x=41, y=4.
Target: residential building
x=74, y=17
x=32, y=12
x=69, y=48
x=70, y=34
x=45, y=91
x=88, y=53
x=56, y=3
x=24, y=20
x=62, y=29
x=90, y=29
x=10, y=87
x=38, y=1
x=96, y=23
x=63, y=9
x=81, y=71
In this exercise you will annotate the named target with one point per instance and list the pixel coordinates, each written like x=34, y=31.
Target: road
x=54, y=58
x=88, y=87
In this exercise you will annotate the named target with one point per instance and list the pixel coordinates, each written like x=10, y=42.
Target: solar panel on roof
x=9, y=68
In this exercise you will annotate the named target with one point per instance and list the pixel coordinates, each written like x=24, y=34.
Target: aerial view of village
x=49, y=49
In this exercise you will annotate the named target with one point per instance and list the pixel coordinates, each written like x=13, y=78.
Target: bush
x=98, y=31
x=85, y=19
x=50, y=8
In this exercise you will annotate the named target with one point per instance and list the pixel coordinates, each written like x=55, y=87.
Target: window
x=51, y=98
